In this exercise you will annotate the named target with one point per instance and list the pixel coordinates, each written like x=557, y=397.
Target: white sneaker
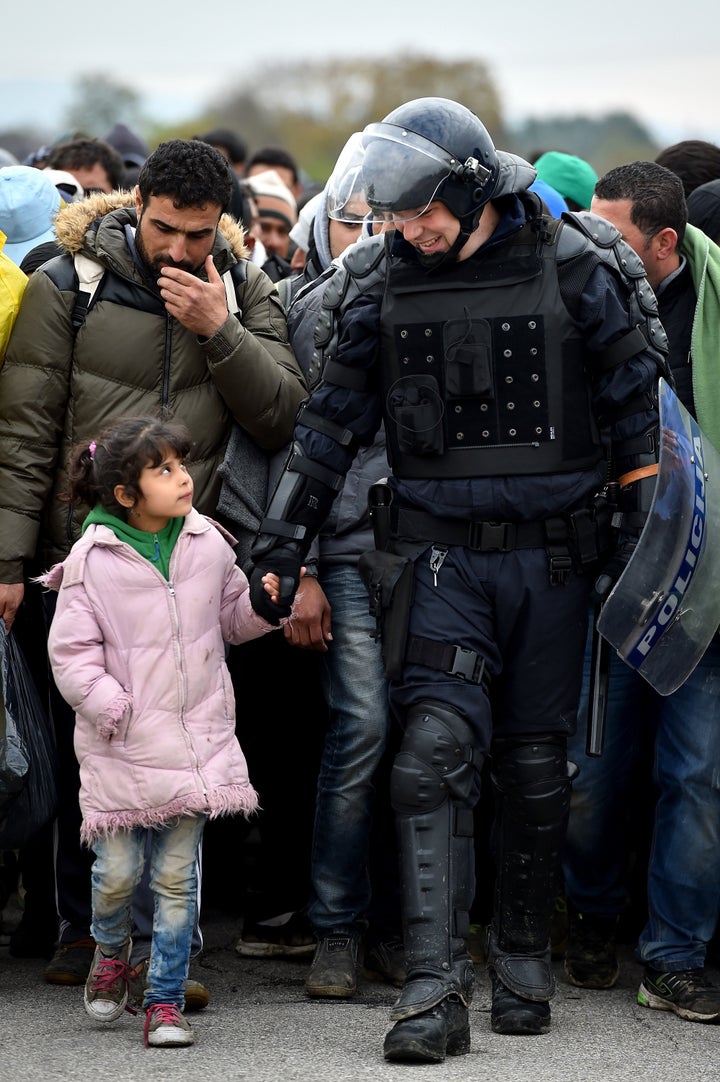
x=106, y=988
x=166, y=1027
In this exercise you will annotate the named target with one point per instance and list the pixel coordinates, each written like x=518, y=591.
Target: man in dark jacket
x=676, y=737
x=179, y=323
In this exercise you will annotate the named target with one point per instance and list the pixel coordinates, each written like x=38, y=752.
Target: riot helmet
x=429, y=149
x=345, y=188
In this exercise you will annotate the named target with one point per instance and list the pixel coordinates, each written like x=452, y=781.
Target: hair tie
x=92, y=447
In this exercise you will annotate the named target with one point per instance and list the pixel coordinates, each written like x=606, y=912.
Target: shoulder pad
x=364, y=257
x=361, y=260
x=587, y=232
x=583, y=231
x=302, y=290
x=362, y=263
x=601, y=232
x=361, y=270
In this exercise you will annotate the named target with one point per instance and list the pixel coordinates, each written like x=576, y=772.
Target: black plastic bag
x=28, y=791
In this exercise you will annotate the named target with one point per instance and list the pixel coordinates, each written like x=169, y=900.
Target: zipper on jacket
x=177, y=640
x=156, y=557
x=166, y=365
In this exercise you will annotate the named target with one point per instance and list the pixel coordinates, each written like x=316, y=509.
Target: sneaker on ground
x=333, y=973
x=197, y=996
x=287, y=936
x=71, y=962
x=385, y=961
x=166, y=1027
x=590, y=958
x=106, y=988
x=687, y=993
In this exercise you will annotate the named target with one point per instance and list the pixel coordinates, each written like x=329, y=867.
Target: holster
x=389, y=579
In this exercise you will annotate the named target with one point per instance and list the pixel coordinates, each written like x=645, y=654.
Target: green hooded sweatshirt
x=155, y=547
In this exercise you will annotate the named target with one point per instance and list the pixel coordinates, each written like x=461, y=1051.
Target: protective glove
x=287, y=566
x=612, y=571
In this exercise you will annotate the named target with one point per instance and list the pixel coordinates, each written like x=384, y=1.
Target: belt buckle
x=467, y=665
x=491, y=536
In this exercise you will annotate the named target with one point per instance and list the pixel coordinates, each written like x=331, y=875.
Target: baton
x=598, y=693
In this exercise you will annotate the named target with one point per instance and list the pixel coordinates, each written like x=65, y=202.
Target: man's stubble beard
x=435, y=259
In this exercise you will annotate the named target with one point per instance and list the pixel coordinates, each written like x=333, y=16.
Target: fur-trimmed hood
x=74, y=222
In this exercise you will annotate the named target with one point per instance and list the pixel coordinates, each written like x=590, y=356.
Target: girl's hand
x=271, y=583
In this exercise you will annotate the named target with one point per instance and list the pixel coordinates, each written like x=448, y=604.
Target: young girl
x=147, y=599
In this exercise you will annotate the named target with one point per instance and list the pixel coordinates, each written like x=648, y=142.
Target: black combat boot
x=533, y=789
x=511, y=1011
x=435, y=764
x=428, y=1037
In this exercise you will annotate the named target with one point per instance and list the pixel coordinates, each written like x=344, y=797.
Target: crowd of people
x=390, y=442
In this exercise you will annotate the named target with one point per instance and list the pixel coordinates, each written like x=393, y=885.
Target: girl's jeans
x=118, y=867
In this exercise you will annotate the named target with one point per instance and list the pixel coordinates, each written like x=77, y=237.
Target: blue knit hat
x=29, y=202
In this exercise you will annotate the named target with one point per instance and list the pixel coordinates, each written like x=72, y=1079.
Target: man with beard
x=180, y=323
x=506, y=353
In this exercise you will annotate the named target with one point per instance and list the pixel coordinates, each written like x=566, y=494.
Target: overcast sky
x=657, y=61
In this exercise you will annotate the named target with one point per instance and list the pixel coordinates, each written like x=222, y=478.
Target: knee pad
x=436, y=762
x=531, y=775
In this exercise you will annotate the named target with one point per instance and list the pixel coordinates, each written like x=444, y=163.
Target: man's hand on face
x=199, y=306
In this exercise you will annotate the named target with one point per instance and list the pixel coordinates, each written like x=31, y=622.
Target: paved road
x=260, y=1027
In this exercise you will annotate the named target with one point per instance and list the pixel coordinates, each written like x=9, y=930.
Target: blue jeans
x=683, y=886
x=117, y=870
x=356, y=694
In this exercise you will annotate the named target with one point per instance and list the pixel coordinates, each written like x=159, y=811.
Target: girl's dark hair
x=118, y=455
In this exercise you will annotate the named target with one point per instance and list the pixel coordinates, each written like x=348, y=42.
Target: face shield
x=345, y=188
x=404, y=172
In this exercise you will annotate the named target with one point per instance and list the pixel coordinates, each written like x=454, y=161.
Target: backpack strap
x=90, y=274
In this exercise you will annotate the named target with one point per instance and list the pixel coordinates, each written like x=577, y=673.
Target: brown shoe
x=197, y=996
x=333, y=973
x=71, y=962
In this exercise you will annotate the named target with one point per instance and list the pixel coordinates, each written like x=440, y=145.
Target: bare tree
x=311, y=109
x=99, y=103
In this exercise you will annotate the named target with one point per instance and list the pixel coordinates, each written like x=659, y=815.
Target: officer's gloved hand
x=287, y=566
x=612, y=571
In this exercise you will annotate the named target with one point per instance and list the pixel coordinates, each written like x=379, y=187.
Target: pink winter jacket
x=141, y=661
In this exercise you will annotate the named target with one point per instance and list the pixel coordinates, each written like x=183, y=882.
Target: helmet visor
x=345, y=189
x=403, y=172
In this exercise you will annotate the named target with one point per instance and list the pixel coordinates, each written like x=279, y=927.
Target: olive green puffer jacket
x=57, y=388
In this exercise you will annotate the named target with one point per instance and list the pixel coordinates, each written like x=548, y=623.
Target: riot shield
x=665, y=607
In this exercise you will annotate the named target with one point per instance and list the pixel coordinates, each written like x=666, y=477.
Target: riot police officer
x=514, y=359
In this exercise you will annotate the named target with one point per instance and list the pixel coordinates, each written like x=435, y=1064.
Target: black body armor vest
x=484, y=371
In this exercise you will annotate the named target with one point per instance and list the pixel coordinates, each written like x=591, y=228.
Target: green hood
x=155, y=547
